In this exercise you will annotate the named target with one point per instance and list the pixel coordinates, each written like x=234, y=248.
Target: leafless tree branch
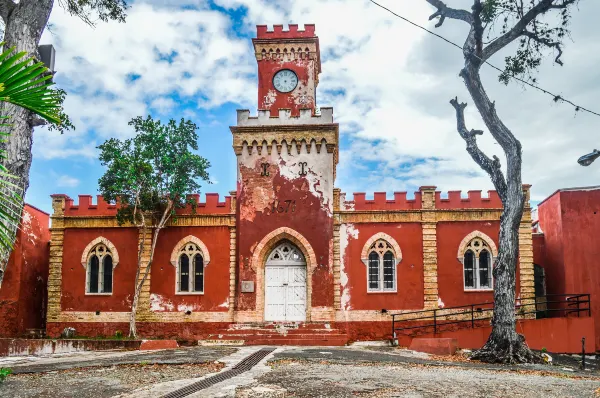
x=443, y=12
x=491, y=166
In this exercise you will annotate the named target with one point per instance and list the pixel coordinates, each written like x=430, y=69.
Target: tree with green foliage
x=538, y=27
x=26, y=85
x=148, y=176
x=24, y=22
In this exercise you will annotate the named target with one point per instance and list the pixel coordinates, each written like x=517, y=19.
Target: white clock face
x=285, y=81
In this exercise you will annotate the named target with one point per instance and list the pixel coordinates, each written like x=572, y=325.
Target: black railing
x=434, y=320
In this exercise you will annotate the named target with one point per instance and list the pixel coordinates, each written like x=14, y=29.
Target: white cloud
x=66, y=181
x=388, y=81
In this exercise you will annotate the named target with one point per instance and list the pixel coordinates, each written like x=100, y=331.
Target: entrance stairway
x=278, y=333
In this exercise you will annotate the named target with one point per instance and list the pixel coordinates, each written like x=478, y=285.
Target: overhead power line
x=555, y=97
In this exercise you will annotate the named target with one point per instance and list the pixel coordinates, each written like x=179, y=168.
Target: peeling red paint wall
x=409, y=272
x=74, y=274
x=216, y=273
x=310, y=217
x=295, y=54
x=23, y=295
x=450, y=269
x=570, y=221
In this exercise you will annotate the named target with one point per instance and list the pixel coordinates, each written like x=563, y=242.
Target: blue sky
x=389, y=85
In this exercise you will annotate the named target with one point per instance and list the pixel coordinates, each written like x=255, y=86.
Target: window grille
x=190, y=271
x=381, y=267
x=99, y=272
x=477, y=265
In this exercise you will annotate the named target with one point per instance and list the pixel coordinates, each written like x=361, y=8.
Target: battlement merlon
x=63, y=205
x=285, y=118
x=426, y=198
x=285, y=45
x=278, y=32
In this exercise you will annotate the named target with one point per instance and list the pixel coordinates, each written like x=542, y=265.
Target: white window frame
x=101, y=251
x=190, y=249
x=380, y=252
x=477, y=250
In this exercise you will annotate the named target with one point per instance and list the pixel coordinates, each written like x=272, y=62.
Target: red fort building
x=286, y=246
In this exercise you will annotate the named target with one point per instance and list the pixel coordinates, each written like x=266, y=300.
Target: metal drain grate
x=245, y=365
x=251, y=360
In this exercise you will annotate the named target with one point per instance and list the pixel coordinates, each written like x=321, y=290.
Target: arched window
x=477, y=265
x=99, y=270
x=381, y=267
x=190, y=269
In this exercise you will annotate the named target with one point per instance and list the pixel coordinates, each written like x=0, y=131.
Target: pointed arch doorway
x=285, y=284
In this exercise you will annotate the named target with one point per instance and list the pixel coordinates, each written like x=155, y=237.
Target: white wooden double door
x=285, y=285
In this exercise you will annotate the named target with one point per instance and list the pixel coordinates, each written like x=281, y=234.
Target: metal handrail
x=582, y=303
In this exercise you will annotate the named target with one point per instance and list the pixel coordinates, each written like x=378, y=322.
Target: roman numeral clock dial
x=285, y=81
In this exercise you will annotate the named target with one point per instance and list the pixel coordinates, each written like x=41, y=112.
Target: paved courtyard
x=289, y=372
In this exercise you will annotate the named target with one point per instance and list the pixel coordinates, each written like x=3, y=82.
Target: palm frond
x=26, y=83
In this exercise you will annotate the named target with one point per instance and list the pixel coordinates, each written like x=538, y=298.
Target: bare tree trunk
x=24, y=24
x=140, y=283
x=504, y=344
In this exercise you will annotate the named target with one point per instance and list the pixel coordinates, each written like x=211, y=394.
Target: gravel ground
x=99, y=382
x=297, y=378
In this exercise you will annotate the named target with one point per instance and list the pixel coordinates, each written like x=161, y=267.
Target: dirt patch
x=99, y=382
x=327, y=379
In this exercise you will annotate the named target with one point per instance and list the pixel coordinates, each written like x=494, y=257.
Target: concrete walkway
x=295, y=371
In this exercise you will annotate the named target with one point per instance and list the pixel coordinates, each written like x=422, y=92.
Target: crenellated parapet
x=285, y=117
x=87, y=208
x=279, y=32
x=213, y=205
x=474, y=200
x=380, y=202
x=400, y=201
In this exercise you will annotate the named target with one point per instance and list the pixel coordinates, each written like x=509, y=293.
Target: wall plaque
x=247, y=286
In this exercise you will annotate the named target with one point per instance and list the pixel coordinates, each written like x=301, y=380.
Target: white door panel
x=285, y=285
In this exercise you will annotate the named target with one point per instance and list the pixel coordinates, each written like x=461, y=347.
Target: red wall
x=310, y=219
x=551, y=223
x=216, y=274
x=570, y=221
x=73, y=273
x=23, y=295
x=450, y=269
x=409, y=271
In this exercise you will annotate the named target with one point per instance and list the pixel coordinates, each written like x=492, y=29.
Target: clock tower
x=286, y=159
x=289, y=64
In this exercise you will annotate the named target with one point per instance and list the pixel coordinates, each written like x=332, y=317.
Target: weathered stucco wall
x=409, y=271
x=450, y=270
x=216, y=272
x=293, y=50
x=73, y=296
x=570, y=221
x=297, y=193
x=23, y=293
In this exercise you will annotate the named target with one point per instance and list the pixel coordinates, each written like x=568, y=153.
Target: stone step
x=279, y=332
x=275, y=325
x=307, y=340
x=249, y=336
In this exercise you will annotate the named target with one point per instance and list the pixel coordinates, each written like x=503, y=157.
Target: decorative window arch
x=99, y=258
x=189, y=257
x=477, y=253
x=381, y=254
x=286, y=253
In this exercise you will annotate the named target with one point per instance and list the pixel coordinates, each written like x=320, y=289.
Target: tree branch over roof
x=519, y=29
x=491, y=166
